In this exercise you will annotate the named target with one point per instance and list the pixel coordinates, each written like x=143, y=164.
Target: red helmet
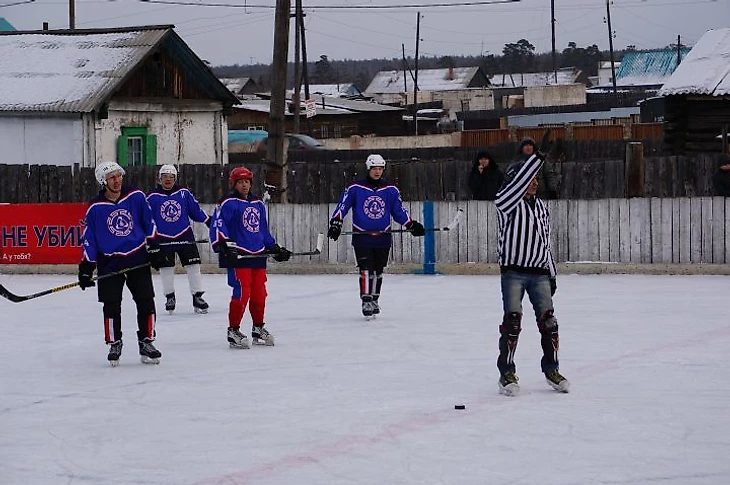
x=240, y=173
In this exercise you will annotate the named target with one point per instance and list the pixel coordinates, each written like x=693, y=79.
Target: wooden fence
x=320, y=182
x=650, y=230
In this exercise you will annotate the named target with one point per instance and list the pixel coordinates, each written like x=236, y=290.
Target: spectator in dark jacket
x=721, y=179
x=485, y=178
x=549, y=177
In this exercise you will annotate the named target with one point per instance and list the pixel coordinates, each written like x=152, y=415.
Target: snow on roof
x=68, y=71
x=392, y=82
x=706, y=69
x=235, y=84
x=533, y=79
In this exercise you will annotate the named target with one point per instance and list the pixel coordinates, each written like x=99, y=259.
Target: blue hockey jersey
x=373, y=203
x=116, y=233
x=244, y=222
x=172, y=210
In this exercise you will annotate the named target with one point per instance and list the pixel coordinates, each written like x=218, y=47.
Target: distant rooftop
x=648, y=68
x=706, y=69
x=6, y=26
x=567, y=75
x=445, y=79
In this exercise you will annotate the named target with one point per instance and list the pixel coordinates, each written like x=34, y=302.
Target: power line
x=23, y=2
x=337, y=7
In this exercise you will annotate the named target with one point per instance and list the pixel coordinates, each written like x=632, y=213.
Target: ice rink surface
x=343, y=401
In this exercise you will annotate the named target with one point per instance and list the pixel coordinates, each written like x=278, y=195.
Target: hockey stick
x=545, y=142
x=176, y=243
x=449, y=227
x=5, y=293
x=317, y=250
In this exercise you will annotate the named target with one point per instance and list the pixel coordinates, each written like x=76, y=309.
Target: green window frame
x=136, y=147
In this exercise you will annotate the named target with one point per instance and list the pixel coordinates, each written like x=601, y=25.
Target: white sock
x=194, y=278
x=168, y=280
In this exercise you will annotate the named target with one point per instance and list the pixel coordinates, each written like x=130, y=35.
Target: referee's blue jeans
x=516, y=284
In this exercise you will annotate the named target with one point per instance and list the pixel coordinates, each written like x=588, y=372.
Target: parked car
x=297, y=142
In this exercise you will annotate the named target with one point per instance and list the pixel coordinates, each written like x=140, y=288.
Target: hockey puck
x=459, y=406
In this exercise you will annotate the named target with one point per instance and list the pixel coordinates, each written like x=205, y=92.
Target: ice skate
x=170, y=303
x=148, y=354
x=115, y=351
x=199, y=305
x=508, y=384
x=367, y=306
x=261, y=336
x=376, y=306
x=557, y=381
x=237, y=340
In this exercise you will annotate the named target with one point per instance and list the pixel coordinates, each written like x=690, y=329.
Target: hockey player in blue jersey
x=374, y=201
x=173, y=207
x=119, y=235
x=240, y=228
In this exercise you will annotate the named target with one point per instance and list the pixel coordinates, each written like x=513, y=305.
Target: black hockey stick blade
x=8, y=295
x=545, y=142
x=183, y=243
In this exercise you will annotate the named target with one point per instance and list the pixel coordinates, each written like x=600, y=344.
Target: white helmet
x=167, y=170
x=375, y=160
x=104, y=169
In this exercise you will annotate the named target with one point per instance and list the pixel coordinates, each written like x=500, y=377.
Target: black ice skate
x=199, y=305
x=376, y=306
x=367, y=306
x=557, y=381
x=170, y=303
x=508, y=384
x=115, y=351
x=148, y=354
x=237, y=340
x=261, y=336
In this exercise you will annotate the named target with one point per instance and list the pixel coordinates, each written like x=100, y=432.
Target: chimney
x=450, y=75
x=45, y=25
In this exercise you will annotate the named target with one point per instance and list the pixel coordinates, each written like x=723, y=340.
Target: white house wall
x=559, y=95
x=41, y=140
x=191, y=133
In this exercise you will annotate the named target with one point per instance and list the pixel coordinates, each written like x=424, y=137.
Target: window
x=136, y=147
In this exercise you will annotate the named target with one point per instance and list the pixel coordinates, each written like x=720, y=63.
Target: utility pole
x=415, y=79
x=679, y=49
x=405, y=68
x=552, y=22
x=610, y=46
x=275, y=146
x=296, y=97
x=305, y=72
x=71, y=14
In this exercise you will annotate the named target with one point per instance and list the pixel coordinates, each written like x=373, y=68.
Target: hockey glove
x=416, y=228
x=553, y=285
x=228, y=251
x=86, y=274
x=279, y=253
x=157, y=257
x=335, y=229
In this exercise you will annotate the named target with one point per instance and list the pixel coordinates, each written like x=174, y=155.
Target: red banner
x=41, y=233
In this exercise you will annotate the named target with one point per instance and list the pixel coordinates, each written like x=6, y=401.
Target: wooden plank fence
x=638, y=231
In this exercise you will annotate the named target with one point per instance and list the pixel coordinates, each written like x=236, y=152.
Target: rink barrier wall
x=639, y=235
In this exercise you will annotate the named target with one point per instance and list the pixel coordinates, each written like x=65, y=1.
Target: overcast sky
x=244, y=34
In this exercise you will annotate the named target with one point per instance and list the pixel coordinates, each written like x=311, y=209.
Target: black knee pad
x=112, y=309
x=511, y=324
x=548, y=323
x=145, y=306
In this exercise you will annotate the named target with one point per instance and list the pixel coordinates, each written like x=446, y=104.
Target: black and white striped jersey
x=524, y=226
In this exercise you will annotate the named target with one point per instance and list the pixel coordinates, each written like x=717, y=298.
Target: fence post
x=429, y=240
x=634, y=170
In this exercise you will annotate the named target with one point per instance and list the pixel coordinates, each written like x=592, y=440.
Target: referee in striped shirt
x=526, y=266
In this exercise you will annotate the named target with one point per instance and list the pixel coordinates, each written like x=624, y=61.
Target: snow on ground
x=343, y=401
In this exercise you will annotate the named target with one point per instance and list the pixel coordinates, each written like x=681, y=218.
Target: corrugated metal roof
x=392, y=82
x=69, y=71
x=6, y=26
x=651, y=68
x=706, y=69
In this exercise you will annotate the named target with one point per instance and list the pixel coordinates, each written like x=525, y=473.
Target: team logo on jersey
x=120, y=223
x=170, y=211
x=374, y=207
x=251, y=219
